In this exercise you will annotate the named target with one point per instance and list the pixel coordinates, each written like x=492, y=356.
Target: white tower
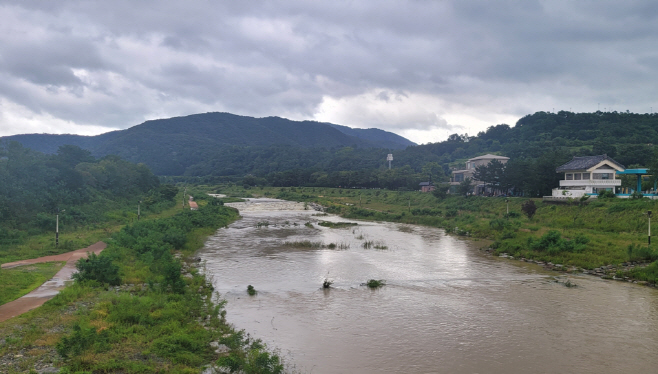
x=389, y=158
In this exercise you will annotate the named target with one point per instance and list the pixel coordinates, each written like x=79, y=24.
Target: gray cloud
x=402, y=65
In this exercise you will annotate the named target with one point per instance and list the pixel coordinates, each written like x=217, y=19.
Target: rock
x=219, y=348
x=48, y=370
x=644, y=283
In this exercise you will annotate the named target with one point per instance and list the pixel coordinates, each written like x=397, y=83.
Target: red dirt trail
x=49, y=289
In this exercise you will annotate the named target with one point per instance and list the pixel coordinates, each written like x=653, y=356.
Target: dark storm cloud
x=422, y=65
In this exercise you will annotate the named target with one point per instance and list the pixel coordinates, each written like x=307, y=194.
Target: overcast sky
x=422, y=69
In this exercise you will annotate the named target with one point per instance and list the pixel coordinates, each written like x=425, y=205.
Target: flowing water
x=446, y=307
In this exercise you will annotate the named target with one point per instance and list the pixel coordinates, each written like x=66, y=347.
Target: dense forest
x=34, y=187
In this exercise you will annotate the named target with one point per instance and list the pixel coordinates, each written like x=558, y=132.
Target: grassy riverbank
x=586, y=235
x=19, y=281
x=142, y=306
x=72, y=236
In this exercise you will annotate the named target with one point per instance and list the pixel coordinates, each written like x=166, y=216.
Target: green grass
x=72, y=238
x=18, y=281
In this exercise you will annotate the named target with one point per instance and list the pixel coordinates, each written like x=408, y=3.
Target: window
x=585, y=175
x=459, y=177
x=569, y=177
x=577, y=176
x=602, y=175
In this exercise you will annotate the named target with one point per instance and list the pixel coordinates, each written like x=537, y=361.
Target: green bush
x=97, y=268
x=499, y=224
x=639, y=253
x=82, y=339
x=553, y=243
x=249, y=358
x=605, y=194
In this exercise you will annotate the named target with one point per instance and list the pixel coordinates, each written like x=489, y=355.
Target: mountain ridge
x=170, y=145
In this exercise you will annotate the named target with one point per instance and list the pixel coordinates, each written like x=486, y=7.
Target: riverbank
x=160, y=318
x=587, y=236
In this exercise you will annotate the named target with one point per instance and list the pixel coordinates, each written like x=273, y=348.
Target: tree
x=600, y=148
x=465, y=187
x=441, y=191
x=653, y=166
x=529, y=208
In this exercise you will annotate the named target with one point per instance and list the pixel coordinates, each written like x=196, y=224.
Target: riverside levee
x=446, y=306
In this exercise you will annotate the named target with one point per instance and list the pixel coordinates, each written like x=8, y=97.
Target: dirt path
x=49, y=289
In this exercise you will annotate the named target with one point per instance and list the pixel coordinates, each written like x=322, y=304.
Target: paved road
x=49, y=289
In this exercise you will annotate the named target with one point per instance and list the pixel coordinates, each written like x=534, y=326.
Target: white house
x=588, y=175
x=458, y=176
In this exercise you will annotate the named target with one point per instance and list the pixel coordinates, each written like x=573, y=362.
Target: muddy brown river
x=445, y=308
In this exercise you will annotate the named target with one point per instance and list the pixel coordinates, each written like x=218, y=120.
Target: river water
x=446, y=307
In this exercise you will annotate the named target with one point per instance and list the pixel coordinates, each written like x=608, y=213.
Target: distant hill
x=383, y=139
x=171, y=145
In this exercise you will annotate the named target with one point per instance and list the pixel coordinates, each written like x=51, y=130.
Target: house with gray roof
x=458, y=176
x=588, y=175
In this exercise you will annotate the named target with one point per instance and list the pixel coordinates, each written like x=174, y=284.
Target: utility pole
x=57, y=227
x=184, y=193
x=649, y=236
x=507, y=202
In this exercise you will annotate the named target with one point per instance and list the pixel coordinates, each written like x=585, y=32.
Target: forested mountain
x=170, y=146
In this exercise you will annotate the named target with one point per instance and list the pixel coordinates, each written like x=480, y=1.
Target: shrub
x=636, y=195
x=251, y=359
x=553, y=243
x=512, y=215
x=82, y=339
x=605, y=194
x=97, y=268
x=251, y=290
x=498, y=224
x=375, y=283
x=639, y=253
x=529, y=208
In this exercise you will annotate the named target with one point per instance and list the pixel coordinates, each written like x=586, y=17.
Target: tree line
x=34, y=187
